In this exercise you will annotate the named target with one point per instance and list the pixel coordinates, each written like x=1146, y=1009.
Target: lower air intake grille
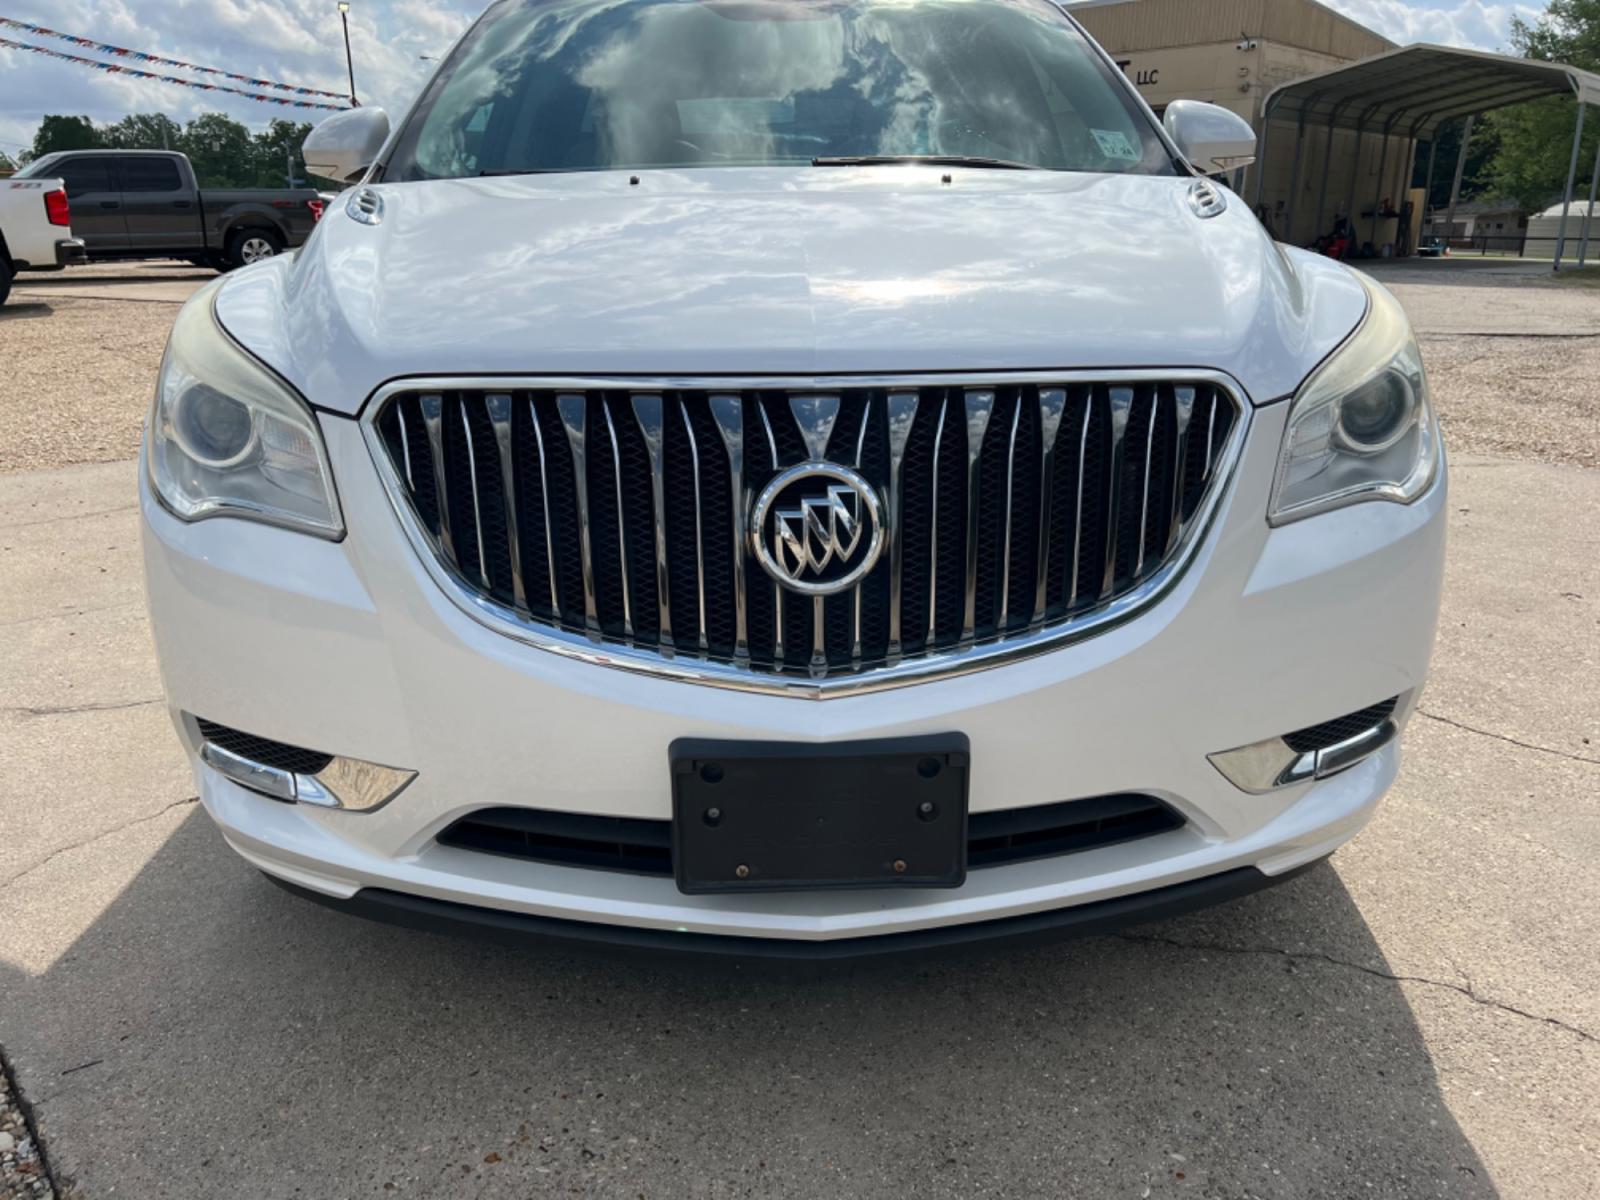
x=627, y=515
x=1340, y=729
x=645, y=847
x=262, y=750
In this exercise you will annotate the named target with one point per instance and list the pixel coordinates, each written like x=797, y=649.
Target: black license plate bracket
x=779, y=816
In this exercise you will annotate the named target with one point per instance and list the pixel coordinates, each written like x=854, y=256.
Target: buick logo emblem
x=818, y=528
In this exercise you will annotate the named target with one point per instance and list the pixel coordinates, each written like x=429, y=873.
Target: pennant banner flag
x=141, y=56
x=134, y=72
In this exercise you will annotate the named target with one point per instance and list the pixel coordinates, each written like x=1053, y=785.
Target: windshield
x=577, y=85
x=39, y=168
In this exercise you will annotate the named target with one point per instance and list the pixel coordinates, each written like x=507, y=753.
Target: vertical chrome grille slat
x=1211, y=436
x=622, y=523
x=699, y=531
x=1011, y=483
x=1052, y=408
x=861, y=451
x=477, y=510
x=544, y=489
x=1144, y=503
x=405, y=454
x=573, y=410
x=902, y=416
x=728, y=412
x=648, y=413
x=1077, y=529
x=933, y=528
x=979, y=408
x=499, y=405
x=1183, y=398
x=777, y=592
x=1120, y=496
x=1121, y=411
x=815, y=415
x=432, y=406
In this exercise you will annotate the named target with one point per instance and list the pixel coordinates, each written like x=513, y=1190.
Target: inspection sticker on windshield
x=1116, y=144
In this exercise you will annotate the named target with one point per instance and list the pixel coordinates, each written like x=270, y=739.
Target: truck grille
x=623, y=515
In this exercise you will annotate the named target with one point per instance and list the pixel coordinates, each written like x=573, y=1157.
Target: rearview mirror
x=346, y=144
x=1212, y=138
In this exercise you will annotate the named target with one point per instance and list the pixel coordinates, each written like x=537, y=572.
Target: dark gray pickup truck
x=146, y=204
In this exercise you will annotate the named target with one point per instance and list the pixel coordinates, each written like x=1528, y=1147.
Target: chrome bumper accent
x=1269, y=765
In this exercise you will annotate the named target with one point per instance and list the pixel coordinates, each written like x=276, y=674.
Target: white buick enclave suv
x=804, y=478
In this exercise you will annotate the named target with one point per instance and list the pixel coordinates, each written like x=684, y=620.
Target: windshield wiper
x=526, y=171
x=927, y=160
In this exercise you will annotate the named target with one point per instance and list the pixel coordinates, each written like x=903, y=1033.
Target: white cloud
x=1470, y=23
x=292, y=41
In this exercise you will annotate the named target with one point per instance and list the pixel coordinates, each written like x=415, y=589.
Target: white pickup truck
x=35, y=229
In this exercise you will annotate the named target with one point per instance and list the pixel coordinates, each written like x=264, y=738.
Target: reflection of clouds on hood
x=695, y=52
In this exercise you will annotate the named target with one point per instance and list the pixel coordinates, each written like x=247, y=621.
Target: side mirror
x=346, y=144
x=1212, y=138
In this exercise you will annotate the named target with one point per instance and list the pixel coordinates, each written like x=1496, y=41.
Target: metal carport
x=1409, y=93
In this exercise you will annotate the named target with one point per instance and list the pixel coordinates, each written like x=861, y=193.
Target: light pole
x=344, y=15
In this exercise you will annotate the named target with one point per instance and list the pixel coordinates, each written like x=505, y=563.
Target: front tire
x=5, y=279
x=246, y=246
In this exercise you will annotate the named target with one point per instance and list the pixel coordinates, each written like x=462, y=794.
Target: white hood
x=805, y=272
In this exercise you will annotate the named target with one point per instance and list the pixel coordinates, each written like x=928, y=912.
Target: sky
x=299, y=42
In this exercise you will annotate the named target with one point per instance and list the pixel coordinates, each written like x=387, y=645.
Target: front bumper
x=350, y=648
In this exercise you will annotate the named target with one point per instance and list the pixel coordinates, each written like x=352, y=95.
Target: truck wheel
x=248, y=246
x=5, y=279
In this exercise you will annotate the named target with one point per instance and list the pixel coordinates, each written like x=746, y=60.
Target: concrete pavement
x=1419, y=1018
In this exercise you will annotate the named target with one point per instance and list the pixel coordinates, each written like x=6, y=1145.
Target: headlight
x=229, y=438
x=1362, y=427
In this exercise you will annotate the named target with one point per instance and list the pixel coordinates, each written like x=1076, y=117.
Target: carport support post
x=1572, y=179
x=1287, y=234
x=1261, y=153
x=1355, y=178
x=1455, y=188
x=1377, y=201
x=1594, y=193
x=1322, y=194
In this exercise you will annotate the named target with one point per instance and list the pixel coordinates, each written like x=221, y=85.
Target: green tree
x=275, y=151
x=144, y=131
x=220, y=149
x=1476, y=179
x=65, y=133
x=1536, y=139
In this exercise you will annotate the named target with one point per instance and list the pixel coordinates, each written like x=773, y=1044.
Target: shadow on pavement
x=24, y=310
x=89, y=277
x=210, y=1035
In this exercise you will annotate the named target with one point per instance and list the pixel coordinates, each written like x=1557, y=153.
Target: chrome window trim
x=963, y=660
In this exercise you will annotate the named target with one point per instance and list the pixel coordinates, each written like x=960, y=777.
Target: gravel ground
x=79, y=374
x=22, y=1175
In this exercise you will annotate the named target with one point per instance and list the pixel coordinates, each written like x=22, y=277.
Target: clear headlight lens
x=1362, y=427
x=229, y=438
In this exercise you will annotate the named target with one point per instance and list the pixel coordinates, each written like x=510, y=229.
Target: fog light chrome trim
x=345, y=783
x=1267, y=766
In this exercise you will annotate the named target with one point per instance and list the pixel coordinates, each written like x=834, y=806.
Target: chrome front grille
x=612, y=518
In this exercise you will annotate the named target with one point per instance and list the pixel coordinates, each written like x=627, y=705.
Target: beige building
x=1234, y=53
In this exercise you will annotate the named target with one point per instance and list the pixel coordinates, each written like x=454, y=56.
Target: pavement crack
x=7, y=884
x=1464, y=988
x=1500, y=737
x=67, y=613
x=67, y=710
x=84, y=516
